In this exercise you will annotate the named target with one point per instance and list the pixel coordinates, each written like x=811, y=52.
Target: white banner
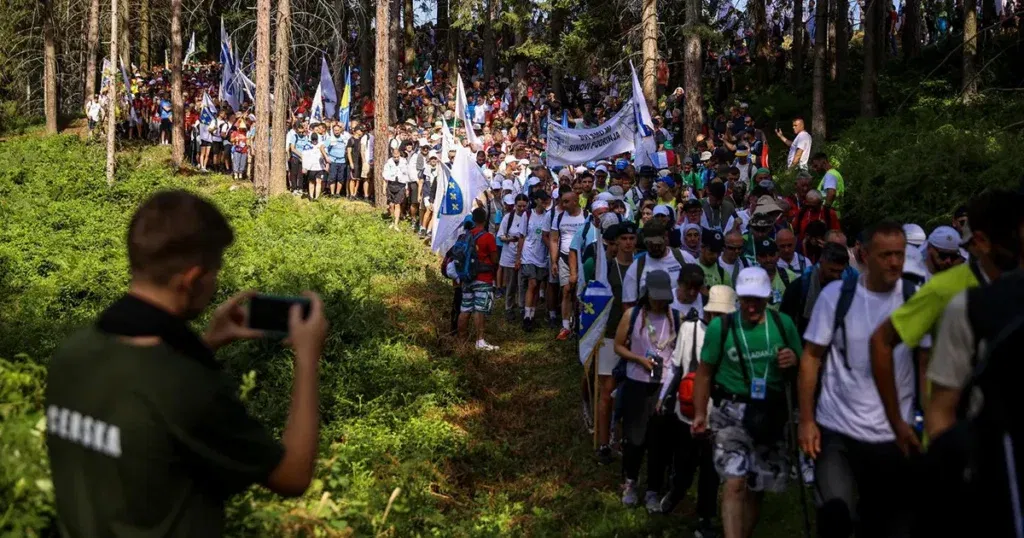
x=574, y=146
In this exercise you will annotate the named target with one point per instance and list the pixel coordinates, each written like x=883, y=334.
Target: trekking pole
x=796, y=459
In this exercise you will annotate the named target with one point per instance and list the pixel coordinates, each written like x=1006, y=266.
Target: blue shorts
x=338, y=173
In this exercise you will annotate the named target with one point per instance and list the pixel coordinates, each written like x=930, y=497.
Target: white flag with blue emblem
x=329, y=93
x=644, y=141
x=595, y=305
x=462, y=184
x=209, y=112
x=316, y=111
x=461, y=113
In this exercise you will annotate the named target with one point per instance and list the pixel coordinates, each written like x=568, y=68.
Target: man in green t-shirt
x=747, y=368
x=768, y=259
x=145, y=433
x=711, y=245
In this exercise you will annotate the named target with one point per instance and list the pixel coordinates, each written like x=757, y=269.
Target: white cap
x=509, y=199
x=534, y=180
x=601, y=168
x=662, y=210
x=605, y=197
x=945, y=238
x=435, y=137
x=581, y=169
x=598, y=204
x=510, y=159
x=663, y=172
x=913, y=262
x=706, y=156
x=507, y=185
x=432, y=154
x=915, y=234
x=423, y=142
x=753, y=282
x=488, y=173
x=495, y=184
x=524, y=162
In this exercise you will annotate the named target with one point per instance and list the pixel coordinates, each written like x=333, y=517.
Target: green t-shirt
x=714, y=275
x=145, y=441
x=761, y=350
x=922, y=313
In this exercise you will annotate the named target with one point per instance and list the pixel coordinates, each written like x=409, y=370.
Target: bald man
x=799, y=146
x=789, y=258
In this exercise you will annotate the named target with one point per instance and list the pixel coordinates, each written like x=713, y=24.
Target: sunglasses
x=947, y=256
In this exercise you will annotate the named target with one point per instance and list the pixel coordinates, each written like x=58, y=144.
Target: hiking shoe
x=588, y=418
x=528, y=325
x=670, y=501
x=564, y=334
x=484, y=346
x=604, y=455
x=629, y=497
x=705, y=529
x=652, y=502
x=553, y=323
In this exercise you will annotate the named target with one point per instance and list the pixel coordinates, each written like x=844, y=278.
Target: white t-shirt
x=567, y=226
x=798, y=264
x=849, y=401
x=204, y=132
x=802, y=141
x=312, y=159
x=93, y=110
x=667, y=263
x=535, y=251
x=511, y=249
x=829, y=182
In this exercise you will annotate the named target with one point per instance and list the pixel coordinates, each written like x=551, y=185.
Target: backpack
x=619, y=372
x=641, y=262
x=588, y=250
x=685, y=391
x=464, y=254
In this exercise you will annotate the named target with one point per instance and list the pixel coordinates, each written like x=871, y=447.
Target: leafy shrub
x=383, y=398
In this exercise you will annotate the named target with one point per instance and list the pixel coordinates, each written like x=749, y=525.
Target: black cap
x=612, y=232
x=627, y=227
x=767, y=246
x=540, y=194
x=648, y=171
x=960, y=212
x=712, y=239
x=692, y=203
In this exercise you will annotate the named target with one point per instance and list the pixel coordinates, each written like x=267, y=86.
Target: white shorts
x=563, y=272
x=606, y=357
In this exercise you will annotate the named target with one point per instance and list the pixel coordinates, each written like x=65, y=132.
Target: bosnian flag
x=644, y=138
x=595, y=305
x=461, y=185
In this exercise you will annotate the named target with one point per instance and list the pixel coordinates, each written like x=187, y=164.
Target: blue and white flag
x=595, y=305
x=429, y=77
x=105, y=75
x=644, y=141
x=461, y=113
x=464, y=182
x=565, y=118
x=191, y=49
x=229, y=87
x=209, y=112
x=447, y=142
x=480, y=66
x=328, y=92
x=316, y=110
x=227, y=55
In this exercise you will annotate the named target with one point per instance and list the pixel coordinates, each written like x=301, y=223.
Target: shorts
x=428, y=191
x=396, y=193
x=563, y=271
x=414, y=192
x=204, y=143
x=337, y=173
x=165, y=126
x=364, y=173
x=534, y=272
x=313, y=175
x=477, y=297
x=606, y=357
x=765, y=468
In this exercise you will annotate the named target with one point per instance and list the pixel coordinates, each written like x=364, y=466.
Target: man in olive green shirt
x=146, y=435
x=711, y=245
x=747, y=367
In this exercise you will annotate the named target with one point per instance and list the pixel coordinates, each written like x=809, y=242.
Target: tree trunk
x=144, y=35
x=881, y=43
x=798, y=42
x=488, y=38
x=868, y=87
x=92, y=49
x=341, y=52
x=384, y=88
x=649, y=20
x=409, y=17
x=818, y=126
x=112, y=95
x=365, y=52
x=970, y=81
x=830, y=40
x=556, y=27
x=911, y=30
x=841, y=17
x=259, y=143
x=282, y=99
x=520, y=37
x=213, y=38
x=123, y=32
x=693, y=107
x=762, y=47
x=177, y=98
x=395, y=48
x=49, y=69
x=442, y=27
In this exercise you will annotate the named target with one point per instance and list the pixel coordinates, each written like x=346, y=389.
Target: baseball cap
x=752, y=282
x=598, y=204
x=432, y=154
x=712, y=239
x=662, y=210
x=617, y=193
x=706, y=156
x=496, y=185
x=621, y=164
x=604, y=197
x=609, y=220
x=627, y=227
x=667, y=181
x=648, y=171
x=423, y=142
x=507, y=185
x=509, y=199
x=580, y=169
x=767, y=246
x=524, y=162
x=534, y=180
x=913, y=262
x=659, y=286
x=663, y=172
x=692, y=203
x=766, y=184
x=510, y=159
x=945, y=238
x=742, y=151
x=721, y=300
x=915, y=234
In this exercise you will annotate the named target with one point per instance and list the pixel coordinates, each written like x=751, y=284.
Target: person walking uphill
x=478, y=293
x=746, y=357
x=145, y=433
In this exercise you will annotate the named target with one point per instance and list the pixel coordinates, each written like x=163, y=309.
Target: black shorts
x=414, y=193
x=396, y=193
x=313, y=175
x=204, y=143
x=165, y=126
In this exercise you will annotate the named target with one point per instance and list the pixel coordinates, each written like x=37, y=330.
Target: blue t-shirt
x=165, y=109
x=336, y=147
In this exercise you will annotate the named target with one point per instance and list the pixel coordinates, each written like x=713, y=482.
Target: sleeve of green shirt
x=917, y=316
x=220, y=437
x=710, y=352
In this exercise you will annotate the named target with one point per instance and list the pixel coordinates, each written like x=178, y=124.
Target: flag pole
x=595, y=397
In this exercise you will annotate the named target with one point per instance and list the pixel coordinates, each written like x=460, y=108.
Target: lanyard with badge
x=758, y=386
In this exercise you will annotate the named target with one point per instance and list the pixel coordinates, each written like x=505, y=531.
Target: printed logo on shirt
x=84, y=430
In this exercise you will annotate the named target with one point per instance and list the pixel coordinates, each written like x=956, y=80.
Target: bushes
x=383, y=398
